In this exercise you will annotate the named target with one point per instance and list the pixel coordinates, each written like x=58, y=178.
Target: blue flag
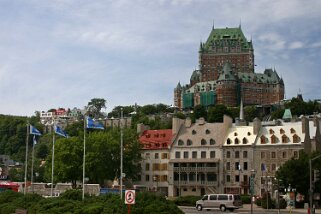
x=91, y=124
x=60, y=131
x=34, y=131
x=34, y=140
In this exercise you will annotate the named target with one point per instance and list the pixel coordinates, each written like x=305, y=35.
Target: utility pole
x=311, y=187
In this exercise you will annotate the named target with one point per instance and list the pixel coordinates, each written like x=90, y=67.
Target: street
x=246, y=210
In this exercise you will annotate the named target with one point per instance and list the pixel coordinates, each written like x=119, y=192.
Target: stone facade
x=201, y=158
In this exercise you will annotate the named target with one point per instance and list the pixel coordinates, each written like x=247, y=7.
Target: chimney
x=257, y=124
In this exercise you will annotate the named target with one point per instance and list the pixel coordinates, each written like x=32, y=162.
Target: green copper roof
x=227, y=73
x=196, y=75
x=287, y=114
x=269, y=76
x=231, y=37
x=201, y=86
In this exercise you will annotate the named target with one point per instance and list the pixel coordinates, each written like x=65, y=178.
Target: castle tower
x=226, y=87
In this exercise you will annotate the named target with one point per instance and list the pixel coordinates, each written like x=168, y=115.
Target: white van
x=219, y=201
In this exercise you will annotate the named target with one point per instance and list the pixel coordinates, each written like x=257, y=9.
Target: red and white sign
x=130, y=197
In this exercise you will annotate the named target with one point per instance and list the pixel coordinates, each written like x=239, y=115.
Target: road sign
x=130, y=197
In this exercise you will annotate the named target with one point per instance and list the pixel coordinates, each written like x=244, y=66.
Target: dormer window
x=228, y=141
x=282, y=131
x=249, y=134
x=180, y=143
x=292, y=130
x=296, y=139
x=285, y=139
x=273, y=139
x=235, y=133
x=244, y=141
x=207, y=131
x=236, y=141
x=271, y=131
x=263, y=140
x=203, y=142
x=212, y=141
x=189, y=142
x=193, y=132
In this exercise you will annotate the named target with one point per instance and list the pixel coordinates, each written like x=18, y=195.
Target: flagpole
x=52, y=158
x=84, y=161
x=121, y=153
x=26, y=160
x=32, y=161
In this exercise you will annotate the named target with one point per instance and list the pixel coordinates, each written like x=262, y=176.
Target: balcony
x=195, y=169
x=196, y=183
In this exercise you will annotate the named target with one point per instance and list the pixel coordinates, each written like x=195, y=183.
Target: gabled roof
x=156, y=139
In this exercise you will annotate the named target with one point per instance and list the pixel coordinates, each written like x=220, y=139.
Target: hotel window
x=164, y=155
x=228, y=166
x=185, y=155
x=147, y=167
x=156, y=156
x=147, y=178
x=228, y=178
x=203, y=154
x=228, y=154
x=194, y=154
x=236, y=141
x=244, y=154
x=245, y=166
x=245, y=141
x=237, y=178
x=203, y=142
x=212, y=154
x=177, y=155
x=273, y=155
x=180, y=143
x=237, y=154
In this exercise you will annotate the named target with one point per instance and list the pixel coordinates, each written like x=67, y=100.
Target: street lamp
x=311, y=188
x=252, y=187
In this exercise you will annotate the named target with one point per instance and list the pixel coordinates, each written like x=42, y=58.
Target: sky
x=63, y=53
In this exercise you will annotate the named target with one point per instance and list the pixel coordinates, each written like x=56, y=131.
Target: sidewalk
x=287, y=210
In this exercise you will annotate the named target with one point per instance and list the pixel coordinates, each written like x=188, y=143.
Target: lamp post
x=311, y=188
x=252, y=187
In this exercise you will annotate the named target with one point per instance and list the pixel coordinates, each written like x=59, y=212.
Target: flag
x=263, y=167
x=91, y=124
x=60, y=131
x=34, y=131
x=34, y=140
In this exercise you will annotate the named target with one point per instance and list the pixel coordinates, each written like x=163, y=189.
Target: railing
x=195, y=169
x=196, y=183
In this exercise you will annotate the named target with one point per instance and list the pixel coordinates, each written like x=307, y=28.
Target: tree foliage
x=94, y=107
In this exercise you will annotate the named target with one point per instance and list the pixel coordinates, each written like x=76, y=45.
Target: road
x=246, y=210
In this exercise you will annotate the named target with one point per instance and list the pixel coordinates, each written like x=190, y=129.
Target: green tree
x=199, y=111
x=216, y=113
x=94, y=107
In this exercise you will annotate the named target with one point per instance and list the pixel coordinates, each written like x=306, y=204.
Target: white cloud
x=296, y=45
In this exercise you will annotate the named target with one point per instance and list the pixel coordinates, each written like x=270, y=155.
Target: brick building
x=226, y=73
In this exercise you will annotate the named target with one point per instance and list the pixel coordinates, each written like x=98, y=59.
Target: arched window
x=180, y=143
x=235, y=133
x=228, y=141
x=193, y=132
x=282, y=131
x=271, y=131
x=249, y=133
x=285, y=139
x=207, y=131
x=296, y=139
x=212, y=141
x=292, y=130
x=236, y=141
x=273, y=139
x=263, y=140
x=245, y=141
x=203, y=142
x=189, y=142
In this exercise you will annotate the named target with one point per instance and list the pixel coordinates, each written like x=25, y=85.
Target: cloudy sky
x=62, y=53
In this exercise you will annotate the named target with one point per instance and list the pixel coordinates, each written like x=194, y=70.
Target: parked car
x=219, y=201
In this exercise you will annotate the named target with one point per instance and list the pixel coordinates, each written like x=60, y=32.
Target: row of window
x=282, y=154
x=237, y=141
x=189, y=142
x=186, y=154
x=238, y=166
x=156, y=166
x=156, y=178
x=156, y=155
x=236, y=154
x=285, y=139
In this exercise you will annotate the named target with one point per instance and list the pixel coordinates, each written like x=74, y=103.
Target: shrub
x=186, y=200
x=246, y=199
x=72, y=194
